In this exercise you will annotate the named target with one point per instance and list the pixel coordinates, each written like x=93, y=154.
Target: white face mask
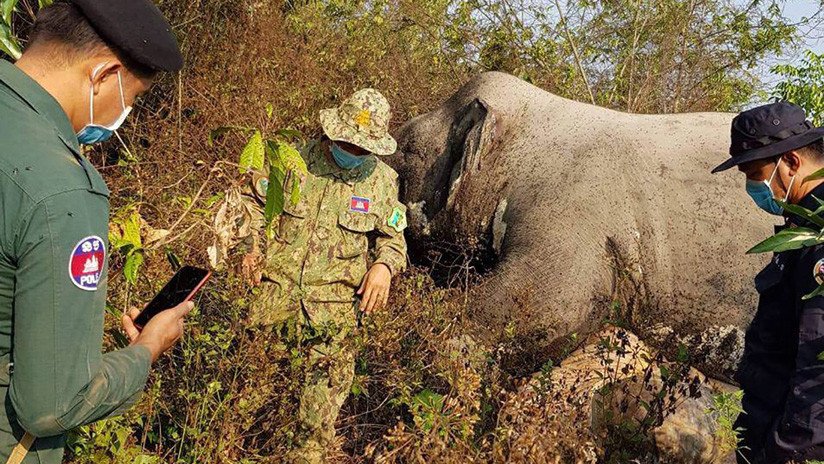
x=94, y=133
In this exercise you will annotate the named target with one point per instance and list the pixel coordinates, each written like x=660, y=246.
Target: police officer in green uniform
x=85, y=64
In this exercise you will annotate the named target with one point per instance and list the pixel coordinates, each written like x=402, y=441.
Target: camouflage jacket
x=322, y=247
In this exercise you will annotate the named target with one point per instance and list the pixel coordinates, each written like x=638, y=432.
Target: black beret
x=137, y=29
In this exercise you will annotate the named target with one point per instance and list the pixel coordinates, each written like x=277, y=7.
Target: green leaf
x=269, y=110
x=8, y=43
x=131, y=230
x=145, y=459
x=122, y=436
x=126, y=236
x=286, y=157
x=358, y=388
x=274, y=195
x=820, y=209
x=683, y=354
x=429, y=400
x=7, y=7
x=815, y=176
x=817, y=292
x=788, y=239
x=253, y=154
x=132, y=266
x=44, y=3
x=283, y=158
x=802, y=212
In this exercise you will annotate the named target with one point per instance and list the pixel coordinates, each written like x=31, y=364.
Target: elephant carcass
x=582, y=209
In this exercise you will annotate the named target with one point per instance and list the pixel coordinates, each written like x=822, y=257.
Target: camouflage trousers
x=327, y=330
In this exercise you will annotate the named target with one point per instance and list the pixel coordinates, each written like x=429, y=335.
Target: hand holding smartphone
x=160, y=324
x=181, y=288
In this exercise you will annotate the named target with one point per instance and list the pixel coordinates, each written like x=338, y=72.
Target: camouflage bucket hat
x=362, y=120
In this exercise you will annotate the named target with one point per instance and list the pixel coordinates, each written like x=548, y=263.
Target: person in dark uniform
x=782, y=370
x=85, y=64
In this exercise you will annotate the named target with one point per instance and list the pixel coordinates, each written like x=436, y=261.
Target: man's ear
x=793, y=161
x=102, y=71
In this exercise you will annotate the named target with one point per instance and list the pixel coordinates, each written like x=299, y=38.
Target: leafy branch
x=9, y=42
x=285, y=165
x=802, y=85
x=796, y=238
x=124, y=236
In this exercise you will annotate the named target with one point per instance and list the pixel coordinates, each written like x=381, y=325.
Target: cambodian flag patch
x=359, y=204
x=86, y=263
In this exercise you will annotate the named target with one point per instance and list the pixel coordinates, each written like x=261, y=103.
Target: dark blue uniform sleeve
x=799, y=434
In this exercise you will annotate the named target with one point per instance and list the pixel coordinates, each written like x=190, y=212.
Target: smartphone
x=182, y=287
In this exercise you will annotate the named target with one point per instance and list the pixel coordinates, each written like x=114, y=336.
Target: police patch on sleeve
x=86, y=263
x=818, y=272
x=397, y=220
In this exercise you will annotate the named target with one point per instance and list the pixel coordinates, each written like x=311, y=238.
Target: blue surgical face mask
x=344, y=159
x=94, y=133
x=761, y=193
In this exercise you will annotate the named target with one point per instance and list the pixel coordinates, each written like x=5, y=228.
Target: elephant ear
x=471, y=139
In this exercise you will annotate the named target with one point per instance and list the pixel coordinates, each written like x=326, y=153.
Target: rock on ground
x=573, y=412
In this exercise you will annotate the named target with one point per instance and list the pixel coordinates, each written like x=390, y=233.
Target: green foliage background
x=803, y=84
x=263, y=70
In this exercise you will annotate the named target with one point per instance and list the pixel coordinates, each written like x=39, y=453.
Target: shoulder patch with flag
x=86, y=263
x=397, y=220
x=359, y=204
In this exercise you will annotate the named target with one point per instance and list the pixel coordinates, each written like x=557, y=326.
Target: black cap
x=137, y=29
x=769, y=131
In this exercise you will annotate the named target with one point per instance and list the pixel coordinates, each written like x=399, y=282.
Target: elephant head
x=442, y=154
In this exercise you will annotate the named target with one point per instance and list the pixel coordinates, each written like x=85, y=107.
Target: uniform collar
x=34, y=95
x=320, y=165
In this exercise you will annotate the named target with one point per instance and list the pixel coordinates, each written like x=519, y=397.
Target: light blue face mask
x=94, y=133
x=344, y=159
x=761, y=193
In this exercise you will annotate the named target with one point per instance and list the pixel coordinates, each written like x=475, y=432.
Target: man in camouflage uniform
x=333, y=254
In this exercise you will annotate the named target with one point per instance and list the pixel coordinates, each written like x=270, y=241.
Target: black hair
x=62, y=23
x=814, y=150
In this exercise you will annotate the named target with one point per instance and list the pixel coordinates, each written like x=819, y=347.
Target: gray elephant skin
x=577, y=212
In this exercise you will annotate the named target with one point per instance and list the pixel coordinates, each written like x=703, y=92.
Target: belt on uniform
x=6, y=368
x=21, y=450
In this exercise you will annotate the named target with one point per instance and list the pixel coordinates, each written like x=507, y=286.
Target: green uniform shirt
x=54, y=210
x=321, y=246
